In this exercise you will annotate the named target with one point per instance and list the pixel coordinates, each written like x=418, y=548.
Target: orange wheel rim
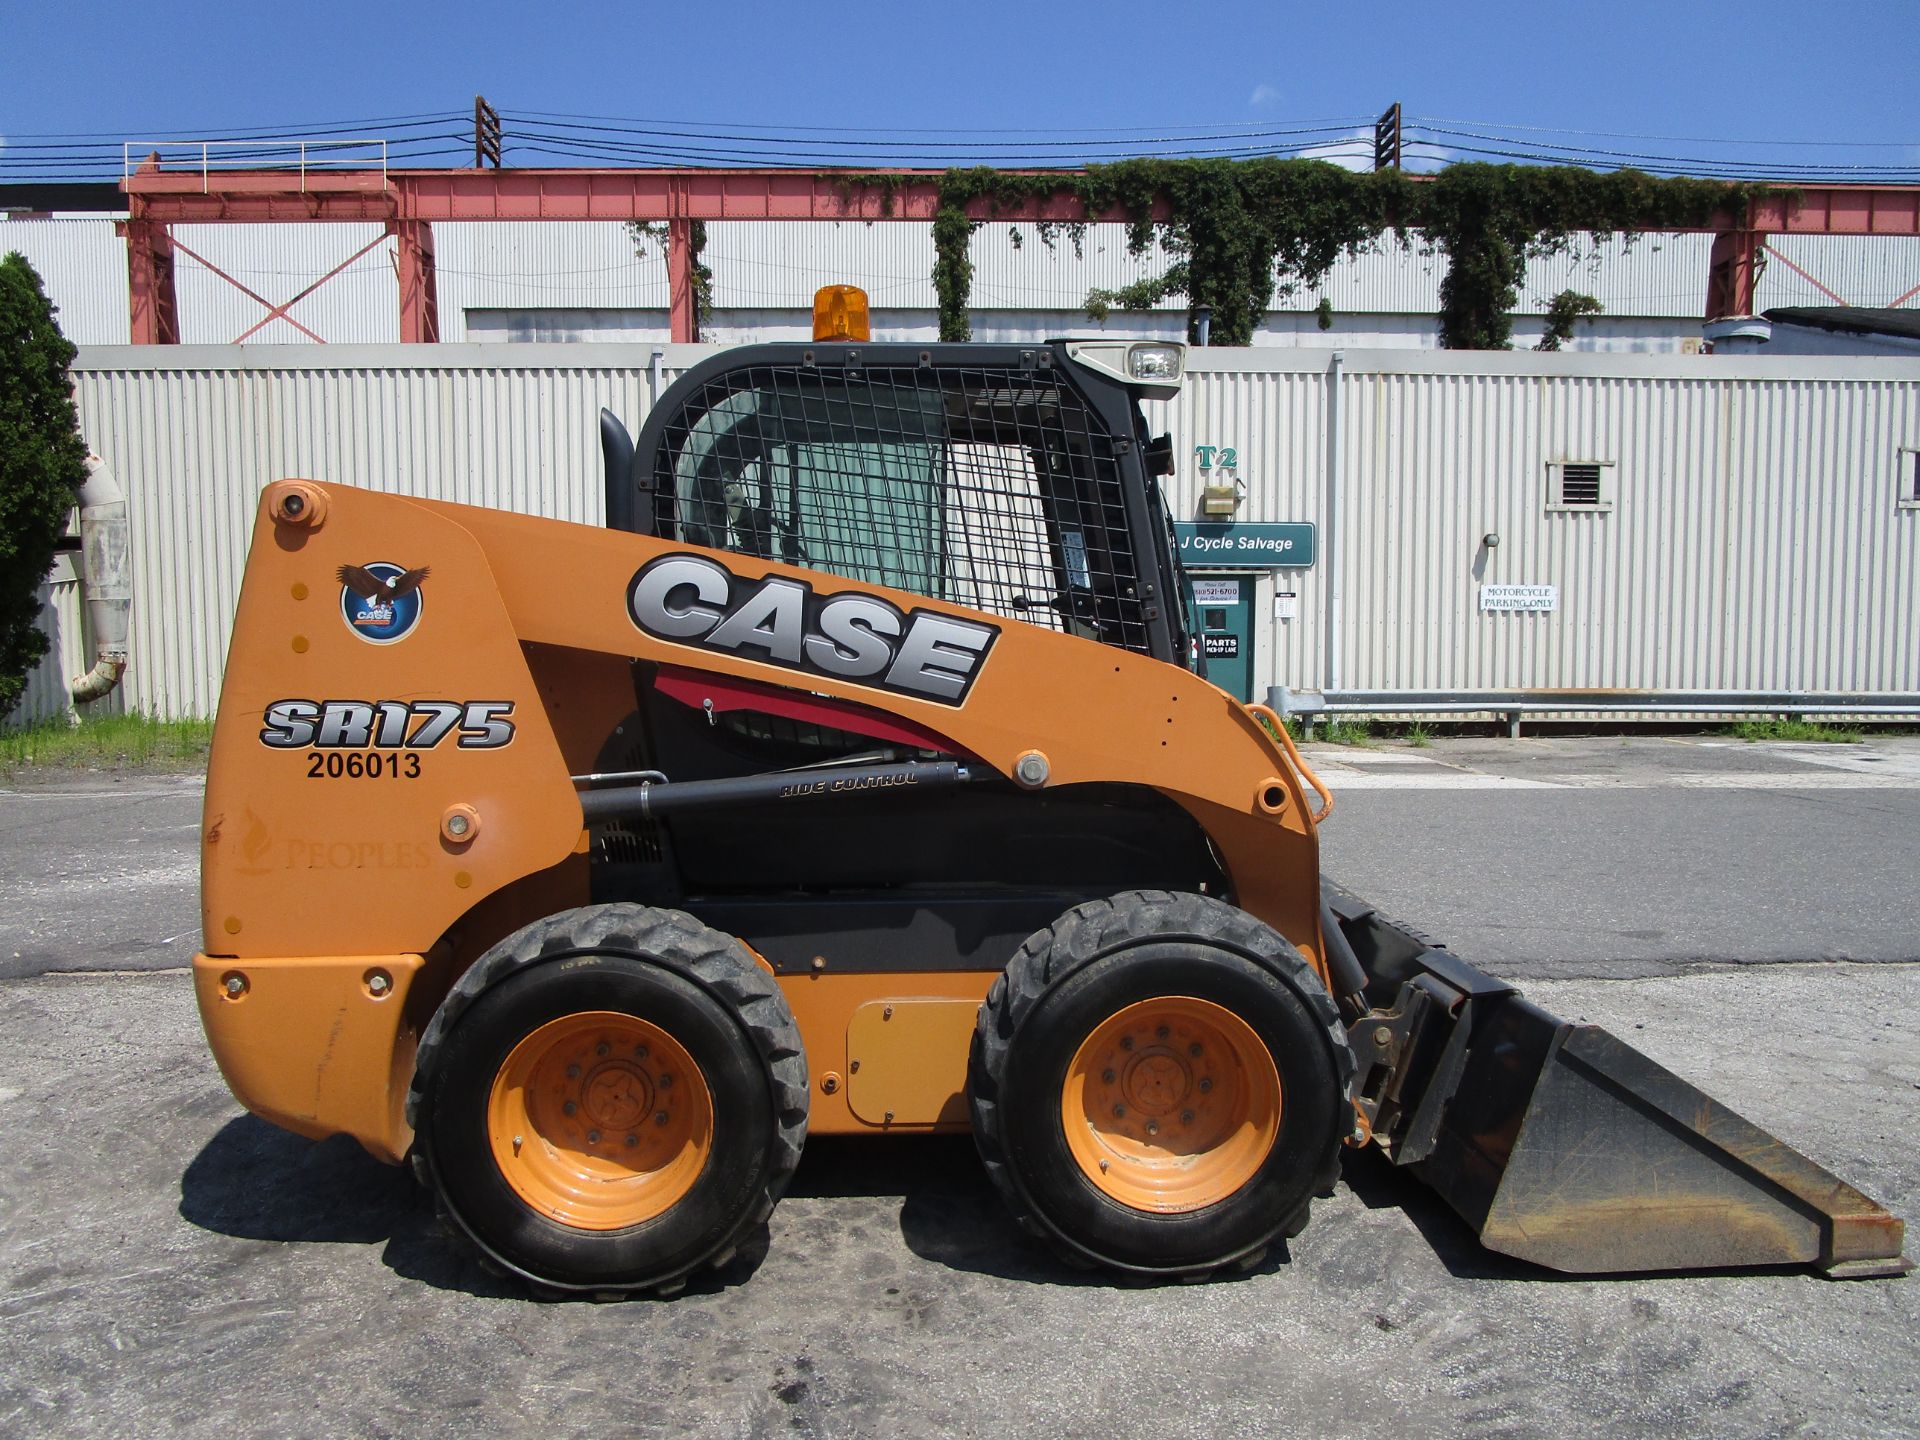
x=600, y=1120
x=1171, y=1105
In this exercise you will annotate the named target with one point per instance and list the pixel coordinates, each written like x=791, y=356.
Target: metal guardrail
x=1308, y=705
x=219, y=156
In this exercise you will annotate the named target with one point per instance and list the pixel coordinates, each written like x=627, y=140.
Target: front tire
x=1159, y=1085
x=610, y=1099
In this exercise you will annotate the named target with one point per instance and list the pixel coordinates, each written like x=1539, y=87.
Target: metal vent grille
x=995, y=488
x=627, y=842
x=1579, y=484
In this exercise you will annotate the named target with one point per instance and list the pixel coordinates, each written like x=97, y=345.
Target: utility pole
x=1386, y=139
x=486, y=134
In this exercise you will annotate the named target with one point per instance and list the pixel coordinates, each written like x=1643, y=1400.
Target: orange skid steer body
x=857, y=778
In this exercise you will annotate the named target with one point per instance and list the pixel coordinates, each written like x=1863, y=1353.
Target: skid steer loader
x=859, y=777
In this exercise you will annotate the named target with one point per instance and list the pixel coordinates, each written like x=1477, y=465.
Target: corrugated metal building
x=583, y=281
x=1754, y=525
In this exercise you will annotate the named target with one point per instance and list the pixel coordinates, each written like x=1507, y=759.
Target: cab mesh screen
x=992, y=488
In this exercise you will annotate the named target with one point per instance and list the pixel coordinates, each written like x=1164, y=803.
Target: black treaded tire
x=670, y=970
x=1090, y=964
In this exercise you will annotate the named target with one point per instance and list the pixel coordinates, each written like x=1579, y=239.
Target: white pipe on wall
x=106, y=579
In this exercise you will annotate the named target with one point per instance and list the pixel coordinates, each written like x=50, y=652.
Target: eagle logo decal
x=380, y=601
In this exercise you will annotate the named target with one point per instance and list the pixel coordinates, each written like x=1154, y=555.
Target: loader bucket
x=1563, y=1145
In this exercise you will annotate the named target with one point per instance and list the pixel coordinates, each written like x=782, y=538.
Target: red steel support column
x=419, y=297
x=1732, y=272
x=683, y=317
x=153, y=315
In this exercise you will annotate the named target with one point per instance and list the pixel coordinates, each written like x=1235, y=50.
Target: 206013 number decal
x=382, y=739
x=338, y=766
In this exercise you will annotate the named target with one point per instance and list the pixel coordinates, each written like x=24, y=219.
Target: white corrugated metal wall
x=1755, y=542
x=195, y=434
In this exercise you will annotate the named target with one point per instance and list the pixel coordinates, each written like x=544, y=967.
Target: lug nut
x=639, y=1052
x=1119, y=1112
x=1161, y=1032
x=593, y=1137
x=661, y=1118
x=1108, y=1077
x=1126, y=1042
x=1194, y=1050
x=1186, y=1117
x=633, y=1140
x=601, y=1048
x=1206, y=1086
x=573, y=1072
x=666, y=1082
x=1153, y=1127
x=568, y=1108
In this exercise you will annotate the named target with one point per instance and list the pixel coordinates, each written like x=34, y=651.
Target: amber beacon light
x=840, y=313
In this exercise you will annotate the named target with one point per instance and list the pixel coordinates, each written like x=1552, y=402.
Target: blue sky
x=1760, y=70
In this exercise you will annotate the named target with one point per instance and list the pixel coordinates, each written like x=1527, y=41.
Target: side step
x=1563, y=1145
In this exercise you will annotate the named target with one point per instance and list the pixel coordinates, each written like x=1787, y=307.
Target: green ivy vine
x=1564, y=311
x=1235, y=233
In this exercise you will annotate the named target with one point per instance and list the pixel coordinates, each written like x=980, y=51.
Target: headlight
x=1151, y=369
x=1154, y=362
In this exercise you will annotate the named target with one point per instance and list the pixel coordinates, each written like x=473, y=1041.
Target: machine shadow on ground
x=254, y=1181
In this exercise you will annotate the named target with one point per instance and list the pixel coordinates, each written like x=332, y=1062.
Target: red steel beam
x=153, y=314
x=409, y=200
x=248, y=196
x=273, y=196
x=419, y=292
x=683, y=312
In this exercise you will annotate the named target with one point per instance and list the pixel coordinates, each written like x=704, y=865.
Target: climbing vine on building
x=1234, y=234
x=1564, y=311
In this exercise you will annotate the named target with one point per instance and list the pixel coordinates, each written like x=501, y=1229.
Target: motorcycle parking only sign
x=1526, y=599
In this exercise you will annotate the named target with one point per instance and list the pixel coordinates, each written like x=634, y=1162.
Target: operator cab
x=1015, y=479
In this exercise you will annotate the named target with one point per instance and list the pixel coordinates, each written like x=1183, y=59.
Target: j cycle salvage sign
x=1258, y=544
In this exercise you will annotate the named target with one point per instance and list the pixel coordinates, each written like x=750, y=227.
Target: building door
x=1223, y=616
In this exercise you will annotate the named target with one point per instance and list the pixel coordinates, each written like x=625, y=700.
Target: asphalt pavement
x=169, y=1265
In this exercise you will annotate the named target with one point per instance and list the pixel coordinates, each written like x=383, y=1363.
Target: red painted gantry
x=408, y=202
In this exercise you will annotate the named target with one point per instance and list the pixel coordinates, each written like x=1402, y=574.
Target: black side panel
x=895, y=931
x=1084, y=840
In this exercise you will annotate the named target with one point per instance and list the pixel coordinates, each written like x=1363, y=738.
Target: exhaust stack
x=106, y=579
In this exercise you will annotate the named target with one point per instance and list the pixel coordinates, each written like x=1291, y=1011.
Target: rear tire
x=1159, y=1085
x=609, y=1099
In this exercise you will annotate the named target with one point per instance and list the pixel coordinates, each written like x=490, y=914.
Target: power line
x=1673, y=139
x=626, y=141
x=929, y=147
x=1337, y=122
